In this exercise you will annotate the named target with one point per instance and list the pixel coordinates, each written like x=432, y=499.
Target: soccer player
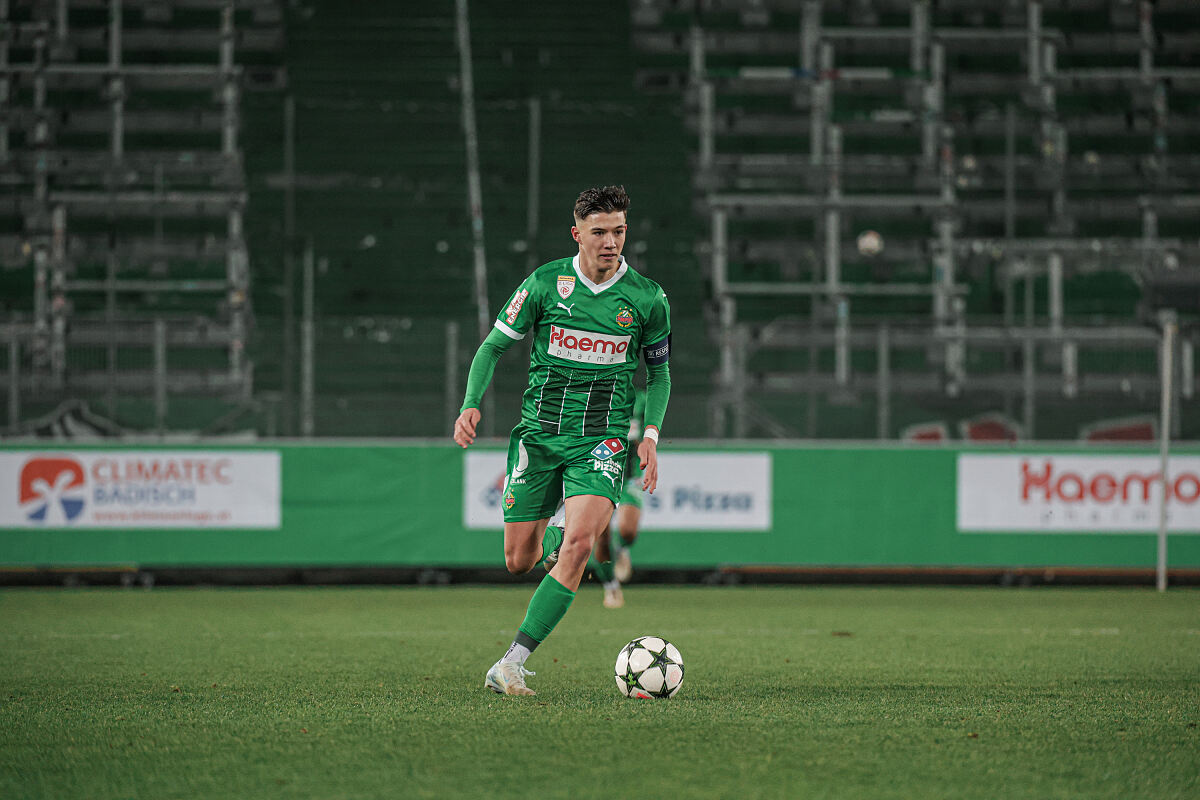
x=591, y=317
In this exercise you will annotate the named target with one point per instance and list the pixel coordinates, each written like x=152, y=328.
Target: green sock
x=551, y=540
x=602, y=570
x=550, y=601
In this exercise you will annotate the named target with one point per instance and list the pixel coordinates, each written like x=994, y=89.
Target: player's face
x=601, y=238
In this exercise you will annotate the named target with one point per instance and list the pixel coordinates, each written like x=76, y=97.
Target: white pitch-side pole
x=1168, y=347
x=307, y=344
x=535, y=182
x=474, y=190
x=14, y=380
x=452, y=388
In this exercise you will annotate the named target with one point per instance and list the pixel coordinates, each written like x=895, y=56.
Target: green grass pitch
x=829, y=692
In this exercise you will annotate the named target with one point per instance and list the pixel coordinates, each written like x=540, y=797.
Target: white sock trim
x=516, y=654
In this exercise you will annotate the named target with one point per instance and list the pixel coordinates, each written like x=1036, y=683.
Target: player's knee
x=575, y=549
x=519, y=562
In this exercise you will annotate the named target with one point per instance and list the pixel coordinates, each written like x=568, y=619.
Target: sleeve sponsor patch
x=514, y=307
x=658, y=353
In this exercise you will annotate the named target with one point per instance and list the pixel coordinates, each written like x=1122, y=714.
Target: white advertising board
x=1075, y=493
x=483, y=489
x=696, y=492
x=140, y=489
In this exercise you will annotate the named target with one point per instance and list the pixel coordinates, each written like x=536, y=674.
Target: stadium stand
x=1030, y=169
x=1042, y=147
x=126, y=274
x=380, y=172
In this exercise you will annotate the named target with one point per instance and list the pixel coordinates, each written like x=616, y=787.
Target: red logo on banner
x=49, y=486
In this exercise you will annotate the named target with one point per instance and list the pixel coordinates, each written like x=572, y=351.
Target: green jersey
x=587, y=339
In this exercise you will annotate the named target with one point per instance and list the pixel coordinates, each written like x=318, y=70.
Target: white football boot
x=505, y=677
x=613, y=598
x=623, y=566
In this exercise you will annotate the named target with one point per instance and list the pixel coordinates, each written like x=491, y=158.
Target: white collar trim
x=597, y=288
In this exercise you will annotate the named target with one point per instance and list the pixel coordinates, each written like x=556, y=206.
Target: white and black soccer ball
x=649, y=667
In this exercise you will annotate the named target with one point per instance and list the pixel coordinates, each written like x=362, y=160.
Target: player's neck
x=598, y=273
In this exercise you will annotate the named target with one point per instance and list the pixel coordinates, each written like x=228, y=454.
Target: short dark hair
x=601, y=200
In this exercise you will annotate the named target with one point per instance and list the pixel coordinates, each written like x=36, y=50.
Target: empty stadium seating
x=126, y=273
x=382, y=191
x=1030, y=167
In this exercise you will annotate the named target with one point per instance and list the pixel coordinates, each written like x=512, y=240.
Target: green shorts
x=632, y=495
x=543, y=468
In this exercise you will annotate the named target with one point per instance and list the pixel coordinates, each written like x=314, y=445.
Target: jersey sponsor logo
x=514, y=307
x=566, y=285
x=624, y=316
x=659, y=352
x=608, y=448
x=587, y=347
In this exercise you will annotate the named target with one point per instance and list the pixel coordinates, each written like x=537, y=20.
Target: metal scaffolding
x=940, y=184
x=138, y=246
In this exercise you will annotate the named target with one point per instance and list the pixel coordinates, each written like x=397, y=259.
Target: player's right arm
x=464, y=426
x=510, y=327
x=483, y=365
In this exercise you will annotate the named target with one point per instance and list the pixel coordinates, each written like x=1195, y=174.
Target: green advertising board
x=408, y=503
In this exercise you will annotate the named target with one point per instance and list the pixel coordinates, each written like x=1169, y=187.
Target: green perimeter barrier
x=406, y=503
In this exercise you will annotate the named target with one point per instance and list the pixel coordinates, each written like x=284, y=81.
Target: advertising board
x=139, y=489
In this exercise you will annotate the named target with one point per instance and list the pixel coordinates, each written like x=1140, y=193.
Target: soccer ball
x=649, y=667
x=870, y=243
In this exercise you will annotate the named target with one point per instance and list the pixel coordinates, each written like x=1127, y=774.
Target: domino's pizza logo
x=608, y=448
x=51, y=490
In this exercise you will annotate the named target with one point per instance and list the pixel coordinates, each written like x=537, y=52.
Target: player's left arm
x=658, y=390
x=657, y=354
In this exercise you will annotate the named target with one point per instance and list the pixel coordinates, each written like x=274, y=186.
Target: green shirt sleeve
x=519, y=315
x=483, y=365
x=658, y=323
x=658, y=391
x=657, y=354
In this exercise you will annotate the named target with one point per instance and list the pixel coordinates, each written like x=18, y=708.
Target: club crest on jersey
x=566, y=285
x=608, y=448
x=624, y=316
